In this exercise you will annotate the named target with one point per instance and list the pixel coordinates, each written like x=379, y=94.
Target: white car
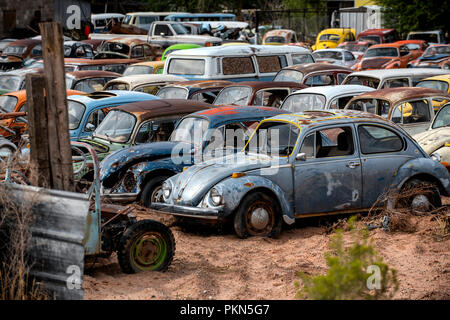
x=340, y=57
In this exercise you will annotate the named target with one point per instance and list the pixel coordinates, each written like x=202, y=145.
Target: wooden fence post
x=49, y=120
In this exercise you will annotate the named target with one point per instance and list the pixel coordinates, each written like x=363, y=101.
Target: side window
x=396, y=83
x=269, y=64
x=148, y=51
x=137, y=52
x=117, y=68
x=412, y=112
x=320, y=80
x=270, y=98
x=375, y=139
x=404, y=51
x=95, y=118
x=206, y=96
x=162, y=29
x=155, y=131
x=237, y=65
x=90, y=85
x=438, y=102
x=231, y=135
x=88, y=51
x=348, y=56
x=302, y=58
x=148, y=89
x=341, y=77
x=333, y=142
x=340, y=102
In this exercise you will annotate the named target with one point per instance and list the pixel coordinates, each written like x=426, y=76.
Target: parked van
x=391, y=78
x=143, y=20
x=234, y=63
x=101, y=20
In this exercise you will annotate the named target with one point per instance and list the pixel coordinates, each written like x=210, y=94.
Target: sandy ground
x=212, y=265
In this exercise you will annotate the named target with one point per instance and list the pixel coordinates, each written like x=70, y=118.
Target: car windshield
x=361, y=80
x=354, y=47
x=368, y=105
x=190, y=130
x=413, y=46
x=274, y=138
x=7, y=103
x=76, y=111
x=275, y=39
x=370, y=39
x=10, y=83
x=304, y=101
x=428, y=37
x=173, y=93
x=381, y=52
x=14, y=50
x=434, y=50
x=116, y=127
x=239, y=96
x=289, y=75
x=442, y=118
x=132, y=70
x=335, y=55
x=434, y=84
x=179, y=28
x=116, y=47
x=186, y=66
x=329, y=37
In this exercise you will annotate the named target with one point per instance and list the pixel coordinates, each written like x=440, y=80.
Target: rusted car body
x=148, y=83
x=126, y=48
x=411, y=108
x=15, y=102
x=89, y=80
x=385, y=56
x=435, y=56
x=417, y=47
x=257, y=93
x=147, y=67
x=436, y=140
x=17, y=52
x=112, y=65
x=78, y=49
x=14, y=80
x=201, y=90
x=377, y=36
x=319, y=167
x=314, y=74
x=137, y=173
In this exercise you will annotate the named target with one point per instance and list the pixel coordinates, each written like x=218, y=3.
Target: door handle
x=353, y=164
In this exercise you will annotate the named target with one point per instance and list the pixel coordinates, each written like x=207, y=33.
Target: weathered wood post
x=49, y=119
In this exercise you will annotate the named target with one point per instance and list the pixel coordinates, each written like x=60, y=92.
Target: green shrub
x=350, y=271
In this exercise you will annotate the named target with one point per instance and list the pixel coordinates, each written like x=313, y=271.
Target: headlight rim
x=214, y=193
x=166, y=189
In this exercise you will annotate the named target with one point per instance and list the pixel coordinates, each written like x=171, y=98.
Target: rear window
x=237, y=65
x=187, y=66
x=275, y=39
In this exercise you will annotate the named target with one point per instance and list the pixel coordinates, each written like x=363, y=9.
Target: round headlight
x=216, y=197
x=166, y=189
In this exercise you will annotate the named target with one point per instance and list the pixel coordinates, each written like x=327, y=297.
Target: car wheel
x=153, y=191
x=419, y=195
x=258, y=215
x=446, y=66
x=147, y=245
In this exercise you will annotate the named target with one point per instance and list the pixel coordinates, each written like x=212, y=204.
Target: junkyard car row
x=254, y=135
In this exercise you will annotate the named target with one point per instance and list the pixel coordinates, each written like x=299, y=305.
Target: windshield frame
x=234, y=87
x=299, y=94
x=289, y=71
x=173, y=88
x=205, y=134
x=109, y=138
x=445, y=107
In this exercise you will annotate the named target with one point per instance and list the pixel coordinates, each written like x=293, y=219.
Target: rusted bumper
x=185, y=211
x=119, y=197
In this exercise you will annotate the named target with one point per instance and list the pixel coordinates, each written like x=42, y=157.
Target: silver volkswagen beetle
x=307, y=164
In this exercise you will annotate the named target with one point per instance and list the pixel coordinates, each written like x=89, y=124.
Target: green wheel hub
x=149, y=251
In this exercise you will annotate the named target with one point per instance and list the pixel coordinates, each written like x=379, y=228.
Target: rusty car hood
x=375, y=63
x=190, y=186
x=128, y=156
x=434, y=139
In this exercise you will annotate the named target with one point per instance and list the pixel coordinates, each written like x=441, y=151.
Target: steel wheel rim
x=157, y=194
x=260, y=218
x=149, y=251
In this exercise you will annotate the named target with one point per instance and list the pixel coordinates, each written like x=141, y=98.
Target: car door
x=328, y=178
x=382, y=152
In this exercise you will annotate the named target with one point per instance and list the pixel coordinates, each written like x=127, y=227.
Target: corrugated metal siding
x=60, y=10
x=59, y=227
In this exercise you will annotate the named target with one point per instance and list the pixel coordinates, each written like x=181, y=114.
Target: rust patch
x=249, y=184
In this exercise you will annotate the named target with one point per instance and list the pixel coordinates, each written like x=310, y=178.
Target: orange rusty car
x=385, y=56
x=14, y=104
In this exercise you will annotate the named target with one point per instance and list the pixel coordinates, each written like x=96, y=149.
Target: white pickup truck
x=165, y=34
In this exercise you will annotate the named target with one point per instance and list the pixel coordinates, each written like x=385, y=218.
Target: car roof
x=127, y=41
x=387, y=45
x=331, y=91
x=238, y=50
x=376, y=31
x=444, y=77
x=258, y=85
x=85, y=74
x=25, y=42
x=397, y=95
x=149, y=63
x=144, y=110
x=332, y=49
x=22, y=94
x=84, y=61
x=139, y=79
x=237, y=113
x=386, y=73
x=309, y=119
x=201, y=84
x=314, y=67
x=95, y=99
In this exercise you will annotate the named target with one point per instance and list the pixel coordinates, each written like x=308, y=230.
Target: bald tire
x=256, y=200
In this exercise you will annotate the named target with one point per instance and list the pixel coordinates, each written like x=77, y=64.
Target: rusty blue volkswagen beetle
x=302, y=165
x=137, y=173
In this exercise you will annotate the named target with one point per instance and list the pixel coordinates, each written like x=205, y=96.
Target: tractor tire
x=147, y=245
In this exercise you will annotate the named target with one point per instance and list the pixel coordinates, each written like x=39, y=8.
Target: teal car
x=180, y=46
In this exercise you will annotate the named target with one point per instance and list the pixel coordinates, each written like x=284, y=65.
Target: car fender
x=421, y=167
x=233, y=190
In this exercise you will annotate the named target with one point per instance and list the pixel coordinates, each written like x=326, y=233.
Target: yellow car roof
x=444, y=77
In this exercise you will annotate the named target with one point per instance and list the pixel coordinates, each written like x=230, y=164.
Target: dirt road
x=208, y=265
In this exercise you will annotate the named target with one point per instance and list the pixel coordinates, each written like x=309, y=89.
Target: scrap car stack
x=206, y=125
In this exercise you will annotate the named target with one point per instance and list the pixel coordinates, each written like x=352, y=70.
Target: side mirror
x=90, y=127
x=301, y=156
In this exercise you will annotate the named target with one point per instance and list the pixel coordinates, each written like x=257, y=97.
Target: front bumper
x=185, y=211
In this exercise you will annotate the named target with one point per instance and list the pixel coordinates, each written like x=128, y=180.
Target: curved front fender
x=234, y=190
